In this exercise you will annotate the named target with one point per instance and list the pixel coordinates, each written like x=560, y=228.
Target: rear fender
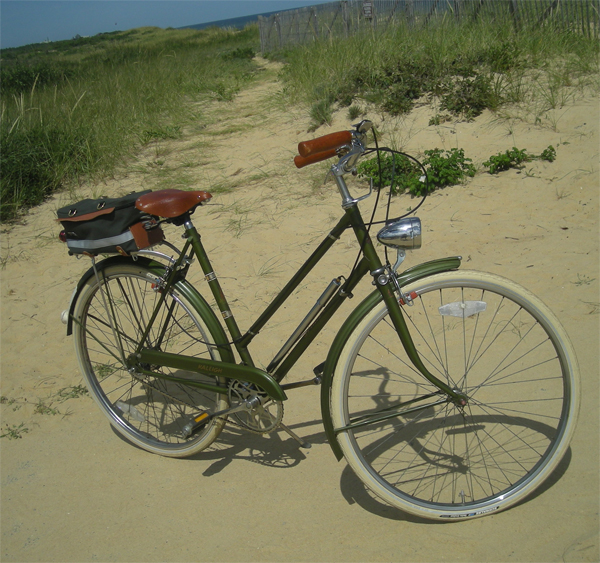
x=182, y=286
x=411, y=275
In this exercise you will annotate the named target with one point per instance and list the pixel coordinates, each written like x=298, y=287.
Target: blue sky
x=32, y=21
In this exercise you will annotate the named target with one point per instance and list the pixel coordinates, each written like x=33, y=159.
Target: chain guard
x=262, y=419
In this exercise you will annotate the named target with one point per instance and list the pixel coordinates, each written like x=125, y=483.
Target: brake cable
x=424, y=178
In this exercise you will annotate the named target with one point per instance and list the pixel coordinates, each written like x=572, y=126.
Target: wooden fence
x=345, y=18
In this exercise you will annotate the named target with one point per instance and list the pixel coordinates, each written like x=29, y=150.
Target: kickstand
x=302, y=443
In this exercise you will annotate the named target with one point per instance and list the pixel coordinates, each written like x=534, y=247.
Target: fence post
x=432, y=11
x=315, y=20
x=277, y=25
x=345, y=17
x=261, y=33
x=514, y=10
x=456, y=9
x=389, y=16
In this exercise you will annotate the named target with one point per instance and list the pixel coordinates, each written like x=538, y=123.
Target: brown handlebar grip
x=301, y=161
x=324, y=143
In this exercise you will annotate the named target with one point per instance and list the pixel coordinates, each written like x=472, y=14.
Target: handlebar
x=325, y=143
x=301, y=161
x=328, y=146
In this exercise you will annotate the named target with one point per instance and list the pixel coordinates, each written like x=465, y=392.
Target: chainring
x=262, y=419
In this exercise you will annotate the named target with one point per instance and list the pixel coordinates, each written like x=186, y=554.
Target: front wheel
x=110, y=319
x=493, y=341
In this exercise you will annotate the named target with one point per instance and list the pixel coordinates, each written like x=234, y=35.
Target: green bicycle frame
x=173, y=276
x=269, y=380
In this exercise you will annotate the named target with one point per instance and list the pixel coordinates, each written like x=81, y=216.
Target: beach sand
x=73, y=490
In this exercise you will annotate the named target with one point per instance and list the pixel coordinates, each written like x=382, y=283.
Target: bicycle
x=452, y=394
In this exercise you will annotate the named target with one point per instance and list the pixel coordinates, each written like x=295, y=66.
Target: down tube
x=315, y=328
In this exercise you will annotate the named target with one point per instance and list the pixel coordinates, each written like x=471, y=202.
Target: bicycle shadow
x=356, y=492
x=277, y=450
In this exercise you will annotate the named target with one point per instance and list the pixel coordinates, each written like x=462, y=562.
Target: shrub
x=513, y=158
x=447, y=169
x=19, y=77
x=36, y=163
x=398, y=169
x=469, y=96
x=239, y=53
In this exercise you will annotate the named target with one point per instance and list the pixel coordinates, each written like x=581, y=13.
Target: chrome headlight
x=402, y=233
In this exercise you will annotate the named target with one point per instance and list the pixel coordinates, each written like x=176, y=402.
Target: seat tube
x=215, y=287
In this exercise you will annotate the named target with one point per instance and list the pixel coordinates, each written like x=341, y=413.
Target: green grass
x=464, y=68
x=83, y=109
x=78, y=110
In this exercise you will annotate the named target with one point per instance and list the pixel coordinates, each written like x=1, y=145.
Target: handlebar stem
x=346, y=165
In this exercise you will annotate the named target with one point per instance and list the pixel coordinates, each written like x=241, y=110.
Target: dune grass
x=81, y=112
x=80, y=109
x=464, y=67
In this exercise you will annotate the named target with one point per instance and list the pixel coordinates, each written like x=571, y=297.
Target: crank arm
x=201, y=419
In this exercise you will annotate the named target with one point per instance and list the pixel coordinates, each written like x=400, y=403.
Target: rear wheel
x=109, y=321
x=495, y=342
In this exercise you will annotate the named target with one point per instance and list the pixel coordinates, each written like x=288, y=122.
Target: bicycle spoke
x=146, y=409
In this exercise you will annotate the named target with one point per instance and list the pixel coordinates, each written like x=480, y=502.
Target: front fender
x=411, y=275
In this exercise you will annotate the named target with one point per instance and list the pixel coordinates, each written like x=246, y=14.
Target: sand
x=72, y=490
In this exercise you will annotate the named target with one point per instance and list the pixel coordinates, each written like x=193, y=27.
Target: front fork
x=386, y=281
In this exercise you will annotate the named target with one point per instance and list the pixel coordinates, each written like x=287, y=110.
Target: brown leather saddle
x=171, y=203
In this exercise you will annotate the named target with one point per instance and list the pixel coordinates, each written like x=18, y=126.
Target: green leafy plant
x=514, y=158
x=548, y=154
x=72, y=392
x=447, y=168
x=42, y=407
x=442, y=168
x=398, y=169
x=14, y=432
x=438, y=119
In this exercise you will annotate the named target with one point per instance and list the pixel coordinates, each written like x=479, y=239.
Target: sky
x=33, y=21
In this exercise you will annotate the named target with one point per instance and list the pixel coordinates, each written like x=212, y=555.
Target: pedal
x=197, y=422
